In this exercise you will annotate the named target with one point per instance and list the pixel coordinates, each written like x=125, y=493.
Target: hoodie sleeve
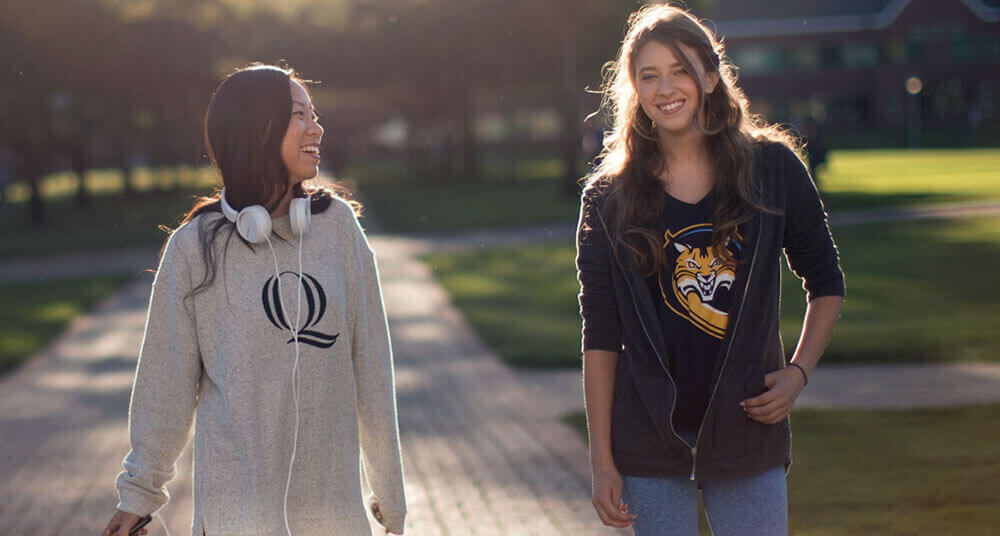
x=165, y=390
x=602, y=327
x=378, y=430
x=809, y=247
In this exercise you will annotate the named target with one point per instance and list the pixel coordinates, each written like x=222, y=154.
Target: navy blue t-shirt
x=692, y=293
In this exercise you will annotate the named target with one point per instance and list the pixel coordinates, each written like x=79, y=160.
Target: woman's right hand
x=121, y=523
x=607, y=496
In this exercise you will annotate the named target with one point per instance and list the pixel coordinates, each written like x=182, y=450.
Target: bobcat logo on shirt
x=699, y=276
x=315, y=303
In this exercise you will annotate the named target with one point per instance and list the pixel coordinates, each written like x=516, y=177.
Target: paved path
x=479, y=456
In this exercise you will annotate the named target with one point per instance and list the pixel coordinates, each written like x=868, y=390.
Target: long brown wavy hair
x=244, y=126
x=631, y=160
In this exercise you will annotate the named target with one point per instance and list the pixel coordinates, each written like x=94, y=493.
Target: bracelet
x=803, y=371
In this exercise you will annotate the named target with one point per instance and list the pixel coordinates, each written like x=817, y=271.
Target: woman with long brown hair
x=287, y=399
x=682, y=226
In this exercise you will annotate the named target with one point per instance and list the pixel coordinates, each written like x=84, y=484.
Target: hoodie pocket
x=757, y=434
x=754, y=384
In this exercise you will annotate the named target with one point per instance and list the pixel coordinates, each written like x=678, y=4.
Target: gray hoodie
x=226, y=354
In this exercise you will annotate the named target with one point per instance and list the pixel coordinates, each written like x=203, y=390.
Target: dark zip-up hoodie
x=619, y=315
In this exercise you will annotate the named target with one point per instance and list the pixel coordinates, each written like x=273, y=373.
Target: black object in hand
x=138, y=526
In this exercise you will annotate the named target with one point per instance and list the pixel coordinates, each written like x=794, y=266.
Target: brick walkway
x=479, y=456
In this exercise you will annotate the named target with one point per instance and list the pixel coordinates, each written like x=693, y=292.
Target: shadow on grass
x=920, y=291
x=840, y=201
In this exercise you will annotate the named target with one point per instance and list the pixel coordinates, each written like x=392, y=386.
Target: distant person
x=815, y=145
x=266, y=320
x=681, y=230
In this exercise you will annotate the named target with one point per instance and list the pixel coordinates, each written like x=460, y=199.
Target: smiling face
x=667, y=92
x=300, y=146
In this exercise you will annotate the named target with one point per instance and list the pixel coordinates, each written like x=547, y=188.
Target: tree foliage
x=100, y=83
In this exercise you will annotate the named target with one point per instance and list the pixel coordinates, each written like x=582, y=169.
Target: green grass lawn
x=33, y=314
x=892, y=472
x=414, y=208
x=519, y=191
x=920, y=291
x=853, y=179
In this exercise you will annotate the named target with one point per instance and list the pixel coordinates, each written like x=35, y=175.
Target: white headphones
x=254, y=222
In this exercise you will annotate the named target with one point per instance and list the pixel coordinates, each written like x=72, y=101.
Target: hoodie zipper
x=732, y=336
x=729, y=348
x=646, y=331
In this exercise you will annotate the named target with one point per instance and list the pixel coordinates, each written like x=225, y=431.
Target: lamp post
x=913, y=87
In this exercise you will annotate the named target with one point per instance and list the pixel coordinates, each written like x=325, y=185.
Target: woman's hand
x=607, y=496
x=121, y=523
x=377, y=514
x=783, y=387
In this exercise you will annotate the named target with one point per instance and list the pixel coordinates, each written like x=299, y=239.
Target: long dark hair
x=244, y=126
x=631, y=159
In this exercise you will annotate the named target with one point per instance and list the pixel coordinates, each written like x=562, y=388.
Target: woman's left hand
x=783, y=387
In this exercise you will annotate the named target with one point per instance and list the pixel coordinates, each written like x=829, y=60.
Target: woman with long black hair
x=682, y=227
x=266, y=320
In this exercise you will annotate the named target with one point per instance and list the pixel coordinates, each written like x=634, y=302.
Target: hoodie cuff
x=136, y=500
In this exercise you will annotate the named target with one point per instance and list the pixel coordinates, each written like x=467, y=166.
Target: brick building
x=847, y=61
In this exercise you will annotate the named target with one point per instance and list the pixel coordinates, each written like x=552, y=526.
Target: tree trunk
x=126, y=171
x=36, y=208
x=81, y=163
x=32, y=167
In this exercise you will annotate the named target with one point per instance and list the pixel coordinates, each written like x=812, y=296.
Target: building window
x=963, y=51
x=830, y=57
x=859, y=55
x=914, y=52
x=895, y=52
x=804, y=57
x=758, y=60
